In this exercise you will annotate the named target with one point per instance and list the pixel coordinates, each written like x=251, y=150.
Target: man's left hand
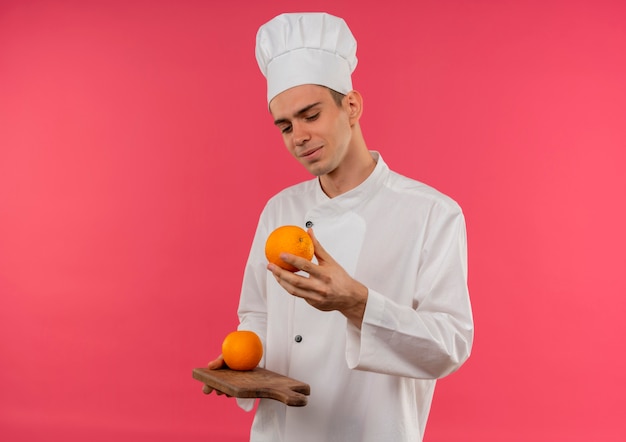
x=327, y=286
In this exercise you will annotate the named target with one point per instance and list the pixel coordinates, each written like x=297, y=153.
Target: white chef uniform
x=406, y=242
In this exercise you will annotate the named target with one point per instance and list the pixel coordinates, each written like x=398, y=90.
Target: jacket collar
x=360, y=193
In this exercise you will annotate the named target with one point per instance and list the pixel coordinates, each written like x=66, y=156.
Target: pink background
x=136, y=154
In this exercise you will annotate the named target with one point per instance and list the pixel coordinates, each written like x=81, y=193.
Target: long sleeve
x=252, y=310
x=432, y=337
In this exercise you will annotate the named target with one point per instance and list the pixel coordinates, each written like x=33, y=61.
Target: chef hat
x=306, y=48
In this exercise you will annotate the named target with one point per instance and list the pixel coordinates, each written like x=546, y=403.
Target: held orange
x=242, y=350
x=288, y=239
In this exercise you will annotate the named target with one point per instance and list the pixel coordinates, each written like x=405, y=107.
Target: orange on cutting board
x=288, y=239
x=242, y=350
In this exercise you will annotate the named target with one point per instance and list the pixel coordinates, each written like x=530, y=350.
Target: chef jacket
x=406, y=242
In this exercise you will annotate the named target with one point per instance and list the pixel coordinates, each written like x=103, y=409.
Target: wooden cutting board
x=256, y=383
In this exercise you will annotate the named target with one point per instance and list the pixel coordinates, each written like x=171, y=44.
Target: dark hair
x=337, y=96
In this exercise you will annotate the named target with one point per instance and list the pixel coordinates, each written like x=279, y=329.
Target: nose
x=300, y=134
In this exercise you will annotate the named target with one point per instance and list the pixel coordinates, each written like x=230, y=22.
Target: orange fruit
x=242, y=350
x=289, y=239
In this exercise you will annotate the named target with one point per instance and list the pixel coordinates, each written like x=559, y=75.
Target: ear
x=353, y=103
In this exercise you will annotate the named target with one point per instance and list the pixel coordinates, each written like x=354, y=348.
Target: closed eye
x=312, y=117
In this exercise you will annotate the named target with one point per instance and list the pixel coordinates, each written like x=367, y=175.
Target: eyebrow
x=297, y=114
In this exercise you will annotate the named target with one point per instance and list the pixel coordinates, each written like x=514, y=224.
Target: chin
x=317, y=170
x=313, y=168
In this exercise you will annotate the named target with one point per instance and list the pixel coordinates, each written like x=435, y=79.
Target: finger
x=299, y=286
x=216, y=363
x=279, y=273
x=320, y=252
x=208, y=390
x=221, y=393
x=298, y=262
x=289, y=279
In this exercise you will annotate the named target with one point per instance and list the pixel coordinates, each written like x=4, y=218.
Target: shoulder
x=412, y=190
x=295, y=192
x=290, y=204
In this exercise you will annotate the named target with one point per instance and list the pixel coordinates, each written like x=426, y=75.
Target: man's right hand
x=215, y=364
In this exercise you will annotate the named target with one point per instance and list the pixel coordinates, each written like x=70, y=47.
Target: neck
x=355, y=167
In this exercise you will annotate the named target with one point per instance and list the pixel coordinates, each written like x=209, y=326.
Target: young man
x=383, y=310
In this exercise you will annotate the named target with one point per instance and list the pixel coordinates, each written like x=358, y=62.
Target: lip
x=311, y=154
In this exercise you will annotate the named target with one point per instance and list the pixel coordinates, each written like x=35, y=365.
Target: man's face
x=315, y=129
